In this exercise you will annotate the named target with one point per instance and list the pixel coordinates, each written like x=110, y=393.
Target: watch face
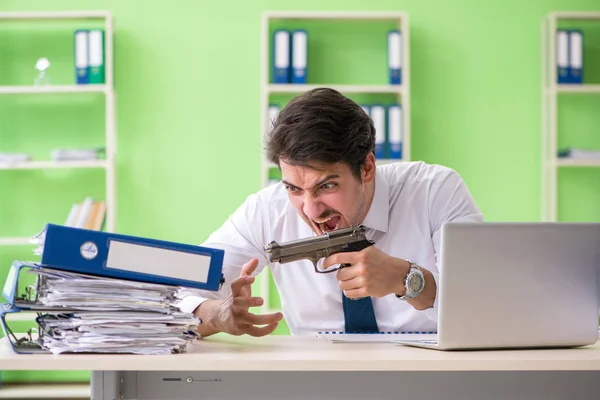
x=415, y=283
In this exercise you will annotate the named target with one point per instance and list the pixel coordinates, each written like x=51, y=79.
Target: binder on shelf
x=81, y=56
x=395, y=57
x=575, y=56
x=366, y=109
x=562, y=56
x=96, y=57
x=378, y=117
x=395, y=131
x=299, y=56
x=121, y=256
x=272, y=114
x=281, y=56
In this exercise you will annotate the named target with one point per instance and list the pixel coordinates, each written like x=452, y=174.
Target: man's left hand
x=371, y=273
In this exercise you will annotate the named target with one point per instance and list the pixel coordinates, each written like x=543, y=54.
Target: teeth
x=322, y=222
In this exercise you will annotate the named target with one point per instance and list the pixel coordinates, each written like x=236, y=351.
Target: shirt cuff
x=189, y=303
x=432, y=312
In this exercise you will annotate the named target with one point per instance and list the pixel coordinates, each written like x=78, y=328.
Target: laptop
x=516, y=286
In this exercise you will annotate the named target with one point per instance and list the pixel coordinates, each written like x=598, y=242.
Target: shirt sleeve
x=241, y=239
x=450, y=200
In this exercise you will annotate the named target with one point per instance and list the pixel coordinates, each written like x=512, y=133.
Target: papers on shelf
x=579, y=153
x=9, y=158
x=77, y=154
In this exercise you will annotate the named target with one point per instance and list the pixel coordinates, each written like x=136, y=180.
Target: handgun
x=318, y=247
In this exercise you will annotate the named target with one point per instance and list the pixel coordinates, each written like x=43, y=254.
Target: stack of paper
x=579, y=153
x=9, y=158
x=77, y=154
x=104, y=315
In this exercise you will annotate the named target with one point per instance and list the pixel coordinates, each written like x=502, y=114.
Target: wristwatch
x=414, y=282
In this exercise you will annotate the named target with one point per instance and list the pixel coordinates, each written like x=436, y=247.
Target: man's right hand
x=232, y=315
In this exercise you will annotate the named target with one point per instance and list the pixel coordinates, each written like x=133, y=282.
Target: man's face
x=329, y=197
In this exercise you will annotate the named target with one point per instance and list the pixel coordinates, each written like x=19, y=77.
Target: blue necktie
x=359, y=315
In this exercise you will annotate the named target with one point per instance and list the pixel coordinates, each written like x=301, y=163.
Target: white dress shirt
x=412, y=201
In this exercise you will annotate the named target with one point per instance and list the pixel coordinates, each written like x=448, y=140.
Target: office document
x=86, y=313
x=382, y=337
x=281, y=56
x=96, y=60
x=128, y=257
x=395, y=131
x=272, y=114
x=299, y=56
x=81, y=56
x=378, y=117
x=562, y=56
x=395, y=57
x=575, y=56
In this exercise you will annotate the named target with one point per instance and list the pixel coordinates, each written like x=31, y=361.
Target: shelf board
x=89, y=88
x=14, y=241
x=45, y=391
x=575, y=15
x=54, y=164
x=578, y=88
x=332, y=15
x=56, y=15
x=297, y=88
x=577, y=162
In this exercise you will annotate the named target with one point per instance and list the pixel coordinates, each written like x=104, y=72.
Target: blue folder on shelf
x=281, y=56
x=133, y=258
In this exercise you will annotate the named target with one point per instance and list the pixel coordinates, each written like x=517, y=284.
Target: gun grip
x=355, y=246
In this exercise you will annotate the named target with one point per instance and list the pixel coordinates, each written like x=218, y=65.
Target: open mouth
x=327, y=225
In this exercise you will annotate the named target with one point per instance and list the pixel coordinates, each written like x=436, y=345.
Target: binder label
x=157, y=261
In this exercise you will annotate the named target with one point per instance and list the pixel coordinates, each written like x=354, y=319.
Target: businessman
x=323, y=143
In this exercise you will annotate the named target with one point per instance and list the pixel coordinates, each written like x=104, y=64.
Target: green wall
x=187, y=81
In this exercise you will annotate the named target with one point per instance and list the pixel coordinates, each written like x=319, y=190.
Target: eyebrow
x=322, y=181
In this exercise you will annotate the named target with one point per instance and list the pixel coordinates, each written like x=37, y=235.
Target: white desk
x=223, y=367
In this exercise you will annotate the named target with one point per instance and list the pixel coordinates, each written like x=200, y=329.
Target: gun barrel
x=314, y=248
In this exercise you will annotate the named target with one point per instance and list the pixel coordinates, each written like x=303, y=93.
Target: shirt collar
x=378, y=216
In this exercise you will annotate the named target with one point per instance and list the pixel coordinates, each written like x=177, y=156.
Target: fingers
x=340, y=258
x=347, y=273
x=261, y=331
x=249, y=267
x=241, y=283
x=354, y=283
x=263, y=319
x=246, y=302
x=355, y=293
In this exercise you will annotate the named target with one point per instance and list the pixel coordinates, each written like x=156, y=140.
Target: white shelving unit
x=46, y=391
x=401, y=92
x=66, y=390
x=550, y=92
x=106, y=89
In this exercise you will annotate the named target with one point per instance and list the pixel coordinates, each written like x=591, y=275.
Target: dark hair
x=322, y=126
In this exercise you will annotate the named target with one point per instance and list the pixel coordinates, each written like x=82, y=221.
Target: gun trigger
x=315, y=262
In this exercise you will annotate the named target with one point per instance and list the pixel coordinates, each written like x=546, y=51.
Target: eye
x=329, y=186
x=291, y=189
